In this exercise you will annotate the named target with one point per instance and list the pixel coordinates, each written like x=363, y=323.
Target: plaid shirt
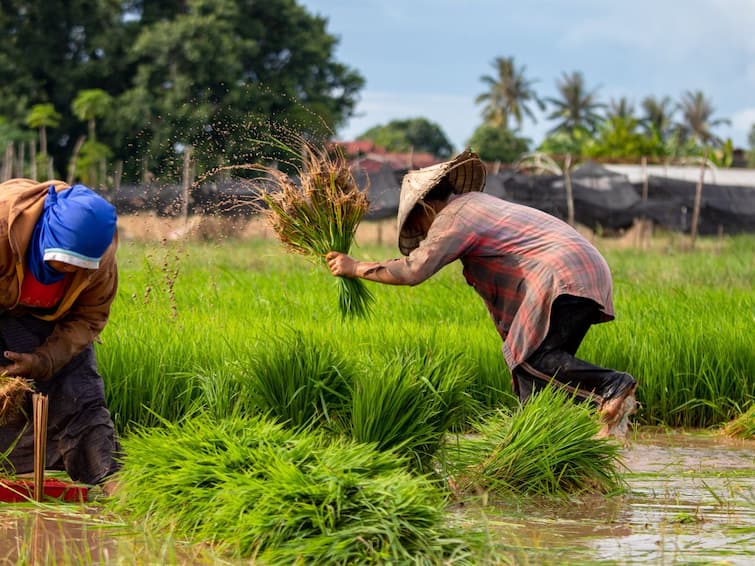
x=517, y=258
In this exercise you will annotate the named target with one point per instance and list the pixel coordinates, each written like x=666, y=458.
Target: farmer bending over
x=58, y=277
x=542, y=282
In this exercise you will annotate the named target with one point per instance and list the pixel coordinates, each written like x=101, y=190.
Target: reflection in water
x=691, y=498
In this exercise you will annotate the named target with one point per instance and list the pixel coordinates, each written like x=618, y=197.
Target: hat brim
x=465, y=172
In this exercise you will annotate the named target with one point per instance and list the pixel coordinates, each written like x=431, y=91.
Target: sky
x=425, y=58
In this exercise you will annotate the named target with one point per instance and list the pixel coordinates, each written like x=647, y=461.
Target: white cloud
x=743, y=120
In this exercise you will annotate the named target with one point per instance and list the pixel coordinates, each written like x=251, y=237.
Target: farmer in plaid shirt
x=543, y=284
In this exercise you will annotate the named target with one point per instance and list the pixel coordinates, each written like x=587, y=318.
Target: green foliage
x=43, y=116
x=203, y=73
x=414, y=134
x=618, y=138
x=89, y=105
x=562, y=142
x=230, y=300
x=498, y=144
x=299, y=382
x=547, y=447
x=260, y=491
x=410, y=403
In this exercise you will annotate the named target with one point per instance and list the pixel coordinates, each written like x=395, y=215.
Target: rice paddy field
x=261, y=426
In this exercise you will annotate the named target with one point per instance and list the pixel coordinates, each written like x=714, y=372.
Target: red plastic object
x=17, y=491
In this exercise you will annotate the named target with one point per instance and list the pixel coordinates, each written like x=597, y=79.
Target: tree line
x=583, y=125
x=102, y=90
x=95, y=88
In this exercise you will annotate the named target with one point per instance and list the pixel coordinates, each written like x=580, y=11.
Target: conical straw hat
x=465, y=172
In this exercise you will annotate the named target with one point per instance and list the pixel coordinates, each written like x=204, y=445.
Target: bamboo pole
x=643, y=220
x=186, y=184
x=698, y=200
x=40, y=443
x=569, y=194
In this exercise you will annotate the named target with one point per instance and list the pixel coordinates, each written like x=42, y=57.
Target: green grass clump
x=258, y=490
x=411, y=403
x=548, y=447
x=743, y=426
x=299, y=381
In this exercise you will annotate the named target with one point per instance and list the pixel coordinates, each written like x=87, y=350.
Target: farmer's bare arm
x=346, y=266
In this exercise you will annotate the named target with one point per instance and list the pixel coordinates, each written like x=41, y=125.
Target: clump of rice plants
x=13, y=392
x=257, y=490
x=411, y=404
x=743, y=426
x=298, y=381
x=319, y=214
x=547, y=447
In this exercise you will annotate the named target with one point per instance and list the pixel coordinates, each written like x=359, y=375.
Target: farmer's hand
x=32, y=366
x=341, y=264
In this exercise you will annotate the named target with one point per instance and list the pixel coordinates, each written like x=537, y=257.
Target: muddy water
x=691, y=499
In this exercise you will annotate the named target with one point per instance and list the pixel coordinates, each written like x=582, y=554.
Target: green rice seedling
x=319, y=214
x=743, y=426
x=411, y=403
x=258, y=490
x=681, y=335
x=548, y=447
x=299, y=381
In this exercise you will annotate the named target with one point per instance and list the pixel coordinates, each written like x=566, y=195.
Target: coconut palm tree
x=90, y=105
x=576, y=108
x=658, y=115
x=621, y=108
x=697, y=119
x=508, y=96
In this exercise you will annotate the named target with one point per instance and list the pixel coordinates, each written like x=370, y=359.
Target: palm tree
x=89, y=105
x=577, y=108
x=697, y=121
x=509, y=94
x=621, y=108
x=658, y=115
x=43, y=116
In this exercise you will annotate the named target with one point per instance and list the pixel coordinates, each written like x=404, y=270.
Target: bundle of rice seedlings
x=13, y=392
x=743, y=426
x=299, y=381
x=547, y=447
x=413, y=402
x=259, y=491
x=319, y=214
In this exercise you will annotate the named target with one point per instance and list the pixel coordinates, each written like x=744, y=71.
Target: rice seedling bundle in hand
x=320, y=214
x=13, y=391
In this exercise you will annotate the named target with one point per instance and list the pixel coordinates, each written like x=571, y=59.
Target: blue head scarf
x=77, y=226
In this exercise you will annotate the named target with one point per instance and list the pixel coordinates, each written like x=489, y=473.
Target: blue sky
x=424, y=58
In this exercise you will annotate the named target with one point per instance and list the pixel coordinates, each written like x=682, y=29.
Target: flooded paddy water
x=690, y=499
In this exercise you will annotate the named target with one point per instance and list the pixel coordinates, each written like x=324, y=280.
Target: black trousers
x=81, y=438
x=554, y=360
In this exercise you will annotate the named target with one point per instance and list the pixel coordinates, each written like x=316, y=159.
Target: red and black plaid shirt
x=518, y=259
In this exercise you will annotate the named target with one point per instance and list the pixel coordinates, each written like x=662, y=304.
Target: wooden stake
x=569, y=195
x=40, y=443
x=698, y=200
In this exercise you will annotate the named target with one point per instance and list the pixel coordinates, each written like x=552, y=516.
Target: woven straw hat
x=465, y=172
